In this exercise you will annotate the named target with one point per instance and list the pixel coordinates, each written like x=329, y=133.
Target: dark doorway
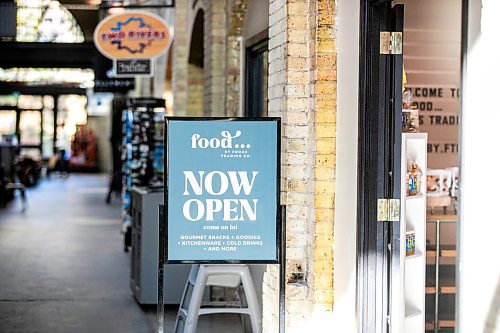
x=256, y=76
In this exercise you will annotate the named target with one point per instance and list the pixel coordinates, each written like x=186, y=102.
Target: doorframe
x=367, y=144
x=254, y=46
x=372, y=281
x=458, y=230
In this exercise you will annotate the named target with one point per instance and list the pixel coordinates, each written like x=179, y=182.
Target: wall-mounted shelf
x=412, y=219
x=411, y=312
x=416, y=255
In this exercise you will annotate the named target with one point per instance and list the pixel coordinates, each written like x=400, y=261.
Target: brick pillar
x=233, y=76
x=325, y=97
x=236, y=18
x=288, y=98
x=180, y=58
x=276, y=108
x=302, y=91
x=215, y=58
x=195, y=91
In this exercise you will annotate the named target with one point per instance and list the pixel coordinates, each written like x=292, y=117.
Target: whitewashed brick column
x=324, y=67
x=302, y=91
x=180, y=58
x=236, y=17
x=215, y=58
x=289, y=99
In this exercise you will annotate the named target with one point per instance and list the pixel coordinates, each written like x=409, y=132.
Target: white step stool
x=229, y=276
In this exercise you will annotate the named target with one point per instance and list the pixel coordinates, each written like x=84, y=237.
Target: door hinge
x=391, y=42
x=388, y=210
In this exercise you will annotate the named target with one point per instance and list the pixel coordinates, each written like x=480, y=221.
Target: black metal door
x=256, y=79
x=379, y=165
x=394, y=164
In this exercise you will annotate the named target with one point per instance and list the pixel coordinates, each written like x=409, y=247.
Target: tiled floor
x=63, y=269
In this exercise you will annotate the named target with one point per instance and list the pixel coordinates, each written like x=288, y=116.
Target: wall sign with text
x=133, y=67
x=222, y=193
x=132, y=35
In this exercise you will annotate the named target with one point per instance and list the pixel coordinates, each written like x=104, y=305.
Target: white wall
x=479, y=280
x=256, y=19
x=347, y=168
x=432, y=39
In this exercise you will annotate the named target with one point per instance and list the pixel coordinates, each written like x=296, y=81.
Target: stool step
x=202, y=276
x=222, y=304
x=224, y=310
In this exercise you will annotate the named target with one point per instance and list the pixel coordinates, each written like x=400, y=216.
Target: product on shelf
x=410, y=119
x=414, y=176
x=407, y=99
x=442, y=188
x=438, y=182
x=410, y=243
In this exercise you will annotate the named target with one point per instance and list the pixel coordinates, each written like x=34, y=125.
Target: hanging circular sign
x=132, y=35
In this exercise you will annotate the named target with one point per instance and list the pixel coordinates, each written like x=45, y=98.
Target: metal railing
x=438, y=220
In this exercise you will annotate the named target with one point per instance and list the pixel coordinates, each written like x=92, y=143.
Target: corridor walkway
x=62, y=264
x=63, y=268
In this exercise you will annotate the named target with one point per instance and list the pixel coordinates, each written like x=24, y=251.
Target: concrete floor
x=63, y=268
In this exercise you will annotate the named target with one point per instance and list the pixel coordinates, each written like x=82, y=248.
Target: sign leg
x=160, y=309
x=282, y=270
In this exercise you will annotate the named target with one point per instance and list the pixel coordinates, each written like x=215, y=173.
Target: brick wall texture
x=302, y=91
x=180, y=52
x=215, y=59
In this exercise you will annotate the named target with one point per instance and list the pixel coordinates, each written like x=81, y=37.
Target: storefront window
x=48, y=133
x=30, y=102
x=83, y=77
x=29, y=128
x=7, y=122
x=46, y=21
x=72, y=112
x=8, y=100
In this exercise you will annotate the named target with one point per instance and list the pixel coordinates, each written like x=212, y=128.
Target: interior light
x=169, y=101
x=116, y=10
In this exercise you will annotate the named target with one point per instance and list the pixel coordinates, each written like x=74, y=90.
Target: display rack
x=142, y=151
x=413, y=219
x=144, y=254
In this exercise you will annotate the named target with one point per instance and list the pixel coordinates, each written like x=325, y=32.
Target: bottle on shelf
x=410, y=119
x=414, y=176
x=410, y=243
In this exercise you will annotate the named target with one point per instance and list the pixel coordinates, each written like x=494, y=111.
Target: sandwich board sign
x=222, y=190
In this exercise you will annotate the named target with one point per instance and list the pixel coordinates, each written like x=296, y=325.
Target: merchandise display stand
x=144, y=253
x=413, y=220
x=142, y=151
